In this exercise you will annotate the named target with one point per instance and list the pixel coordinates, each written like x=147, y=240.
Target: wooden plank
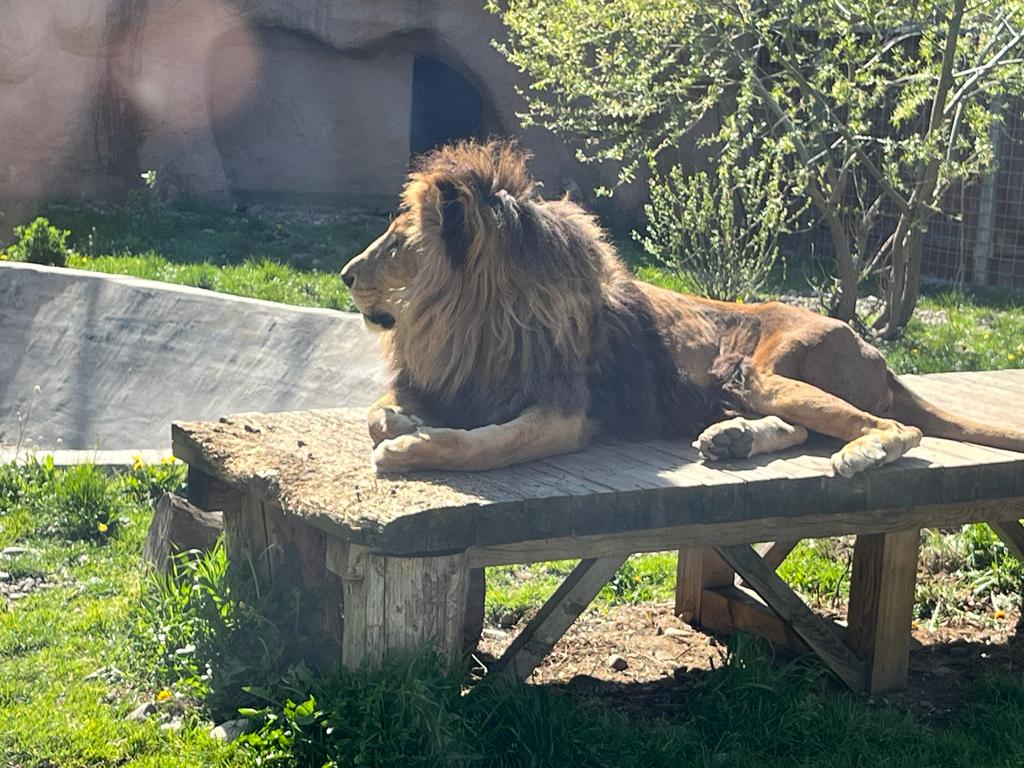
x=696, y=570
x=812, y=629
x=363, y=608
x=732, y=609
x=735, y=532
x=774, y=553
x=882, y=605
x=555, y=617
x=1012, y=534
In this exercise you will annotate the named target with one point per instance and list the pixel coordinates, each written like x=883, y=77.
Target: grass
x=54, y=639
x=102, y=615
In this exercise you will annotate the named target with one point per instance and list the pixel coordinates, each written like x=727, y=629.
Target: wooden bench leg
x=709, y=596
x=698, y=569
x=395, y=604
x=882, y=605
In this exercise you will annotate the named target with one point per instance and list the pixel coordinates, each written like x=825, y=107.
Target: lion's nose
x=348, y=278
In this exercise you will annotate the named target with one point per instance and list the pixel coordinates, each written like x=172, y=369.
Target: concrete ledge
x=111, y=460
x=116, y=359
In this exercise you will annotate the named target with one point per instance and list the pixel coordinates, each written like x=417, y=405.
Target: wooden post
x=882, y=605
x=399, y=604
x=697, y=569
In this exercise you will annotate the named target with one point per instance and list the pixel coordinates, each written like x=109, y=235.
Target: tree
x=879, y=107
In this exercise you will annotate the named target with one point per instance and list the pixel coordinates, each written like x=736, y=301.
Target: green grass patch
x=265, y=279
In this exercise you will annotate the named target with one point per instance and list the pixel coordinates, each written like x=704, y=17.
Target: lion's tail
x=913, y=410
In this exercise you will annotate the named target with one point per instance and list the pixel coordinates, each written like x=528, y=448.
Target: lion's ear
x=454, y=232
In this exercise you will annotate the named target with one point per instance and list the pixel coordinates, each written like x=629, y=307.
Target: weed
x=85, y=504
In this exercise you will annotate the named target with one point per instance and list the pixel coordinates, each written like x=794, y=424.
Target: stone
x=507, y=620
x=173, y=725
x=617, y=662
x=141, y=712
x=675, y=632
x=230, y=730
x=14, y=551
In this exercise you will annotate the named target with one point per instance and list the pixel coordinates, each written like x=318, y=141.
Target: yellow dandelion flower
x=1011, y=357
x=102, y=527
x=913, y=351
x=137, y=462
x=1000, y=614
x=167, y=460
x=163, y=695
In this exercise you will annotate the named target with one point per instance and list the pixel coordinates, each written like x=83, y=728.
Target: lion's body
x=514, y=331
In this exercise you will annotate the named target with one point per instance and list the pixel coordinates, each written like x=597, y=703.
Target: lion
x=514, y=332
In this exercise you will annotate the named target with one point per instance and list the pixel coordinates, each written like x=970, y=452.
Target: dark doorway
x=445, y=106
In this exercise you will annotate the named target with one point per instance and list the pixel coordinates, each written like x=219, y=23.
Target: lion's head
x=486, y=290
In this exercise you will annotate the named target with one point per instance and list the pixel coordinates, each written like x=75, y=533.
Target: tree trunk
x=844, y=305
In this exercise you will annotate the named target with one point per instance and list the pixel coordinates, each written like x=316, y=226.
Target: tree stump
x=179, y=526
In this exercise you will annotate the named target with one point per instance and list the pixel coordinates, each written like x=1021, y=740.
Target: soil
x=666, y=656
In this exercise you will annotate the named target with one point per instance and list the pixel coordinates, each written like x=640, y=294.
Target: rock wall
x=220, y=97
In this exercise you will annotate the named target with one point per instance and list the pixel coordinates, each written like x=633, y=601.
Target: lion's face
x=380, y=275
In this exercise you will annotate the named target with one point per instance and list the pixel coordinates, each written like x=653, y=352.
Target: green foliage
x=721, y=229
x=85, y=503
x=39, y=242
x=878, y=108
x=148, y=482
x=79, y=502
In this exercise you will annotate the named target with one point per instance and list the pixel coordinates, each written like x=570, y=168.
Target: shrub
x=40, y=243
x=722, y=228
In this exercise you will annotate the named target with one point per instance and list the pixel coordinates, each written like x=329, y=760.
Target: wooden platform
x=298, y=494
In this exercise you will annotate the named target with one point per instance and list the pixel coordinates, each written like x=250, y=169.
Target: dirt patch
x=665, y=656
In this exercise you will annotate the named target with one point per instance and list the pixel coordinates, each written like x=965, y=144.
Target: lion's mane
x=519, y=301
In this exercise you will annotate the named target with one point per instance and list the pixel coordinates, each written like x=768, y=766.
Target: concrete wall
x=219, y=96
x=116, y=359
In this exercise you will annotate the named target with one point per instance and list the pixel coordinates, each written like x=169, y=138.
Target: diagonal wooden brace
x=817, y=632
x=555, y=617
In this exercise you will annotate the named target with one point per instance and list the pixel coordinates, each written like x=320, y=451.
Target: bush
x=722, y=229
x=40, y=243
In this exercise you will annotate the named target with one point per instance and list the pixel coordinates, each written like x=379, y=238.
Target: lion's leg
x=391, y=416
x=871, y=440
x=741, y=438
x=536, y=433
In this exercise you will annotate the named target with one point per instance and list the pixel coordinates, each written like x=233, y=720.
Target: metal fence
x=980, y=241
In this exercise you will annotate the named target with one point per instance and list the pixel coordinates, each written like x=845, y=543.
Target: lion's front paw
x=876, y=448
x=426, y=448
x=388, y=422
x=731, y=439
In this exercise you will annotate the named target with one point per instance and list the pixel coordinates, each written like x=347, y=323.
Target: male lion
x=515, y=332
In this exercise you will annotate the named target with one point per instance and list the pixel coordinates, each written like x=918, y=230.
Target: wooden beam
x=1012, y=534
x=882, y=605
x=734, y=609
x=775, y=552
x=696, y=570
x=555, y=617
x=812, y=629
x=764, y=529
